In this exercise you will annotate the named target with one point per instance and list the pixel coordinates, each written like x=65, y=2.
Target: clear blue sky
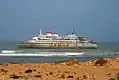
x=96, y=19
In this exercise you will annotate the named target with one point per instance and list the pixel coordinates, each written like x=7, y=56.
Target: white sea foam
x=46, y=54
x=18, y=53
x=74, y=53
x=7, y=51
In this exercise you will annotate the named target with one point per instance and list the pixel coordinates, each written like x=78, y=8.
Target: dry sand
x=100, y=69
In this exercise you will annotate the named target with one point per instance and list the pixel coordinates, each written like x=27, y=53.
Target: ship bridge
x=52, y=34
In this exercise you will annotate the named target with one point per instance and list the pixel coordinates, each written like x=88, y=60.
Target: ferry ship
x=52, y=40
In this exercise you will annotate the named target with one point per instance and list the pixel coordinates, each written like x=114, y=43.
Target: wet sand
x=100, y=69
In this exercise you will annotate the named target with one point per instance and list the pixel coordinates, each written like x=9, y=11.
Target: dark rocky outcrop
x=15, y=77
x=62, y=76
x=84, y=76
x=28, y=71
x=3, y=71
x=38, y=76
x=51, y=73
x=101, y=62
x=70, y=76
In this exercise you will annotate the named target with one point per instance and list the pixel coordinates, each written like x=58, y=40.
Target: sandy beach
x=100, y=69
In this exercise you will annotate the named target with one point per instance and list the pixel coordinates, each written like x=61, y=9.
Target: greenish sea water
x=48, y=55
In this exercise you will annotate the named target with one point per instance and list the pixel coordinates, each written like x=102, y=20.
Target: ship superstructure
x=54, y=40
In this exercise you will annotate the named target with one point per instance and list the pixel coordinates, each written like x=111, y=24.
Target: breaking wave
x=50, y=54
x=21, y=53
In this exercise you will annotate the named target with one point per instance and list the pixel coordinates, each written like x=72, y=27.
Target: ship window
x=38, y=38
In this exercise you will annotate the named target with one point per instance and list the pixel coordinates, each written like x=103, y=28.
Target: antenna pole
x=40, y=32
x=73, y=31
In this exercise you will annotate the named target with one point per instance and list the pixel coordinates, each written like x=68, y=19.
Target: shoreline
x=97, y=69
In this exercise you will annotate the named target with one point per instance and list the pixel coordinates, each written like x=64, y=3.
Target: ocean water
x=10, y=53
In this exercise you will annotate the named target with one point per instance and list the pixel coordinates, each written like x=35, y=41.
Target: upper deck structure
x=54, y=40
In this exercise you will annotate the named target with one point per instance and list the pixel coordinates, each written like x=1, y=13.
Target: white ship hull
x=60, y=46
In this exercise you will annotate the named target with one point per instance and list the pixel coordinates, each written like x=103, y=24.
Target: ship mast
x=40, y=32
x=73, y=32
